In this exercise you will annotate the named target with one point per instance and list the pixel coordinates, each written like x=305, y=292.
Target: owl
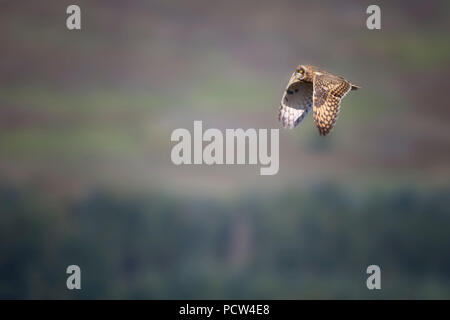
x=312, y=88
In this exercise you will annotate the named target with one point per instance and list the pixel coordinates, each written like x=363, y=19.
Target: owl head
x=304, y=73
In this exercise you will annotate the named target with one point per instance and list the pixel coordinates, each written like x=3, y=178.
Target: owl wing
x=328, y=93
x=295, y=103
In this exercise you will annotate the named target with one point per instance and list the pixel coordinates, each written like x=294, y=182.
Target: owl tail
x=355, y=87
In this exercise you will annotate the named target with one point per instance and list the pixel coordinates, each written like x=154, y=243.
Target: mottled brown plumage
x=312, y=88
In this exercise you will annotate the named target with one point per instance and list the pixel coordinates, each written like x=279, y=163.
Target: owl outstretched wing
x=295, y=103
x=328, y=93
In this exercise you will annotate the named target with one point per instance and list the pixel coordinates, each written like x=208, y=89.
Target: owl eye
x=301, y=71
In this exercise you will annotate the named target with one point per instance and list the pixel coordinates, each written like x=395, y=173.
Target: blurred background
x=86, y=176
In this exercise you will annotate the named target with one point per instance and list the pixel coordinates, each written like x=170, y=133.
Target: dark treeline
x=313, y=243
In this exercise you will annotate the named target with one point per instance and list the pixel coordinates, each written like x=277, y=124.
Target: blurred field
x=86, y=176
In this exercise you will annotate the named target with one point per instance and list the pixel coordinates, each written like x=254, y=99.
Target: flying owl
x=310, y=87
